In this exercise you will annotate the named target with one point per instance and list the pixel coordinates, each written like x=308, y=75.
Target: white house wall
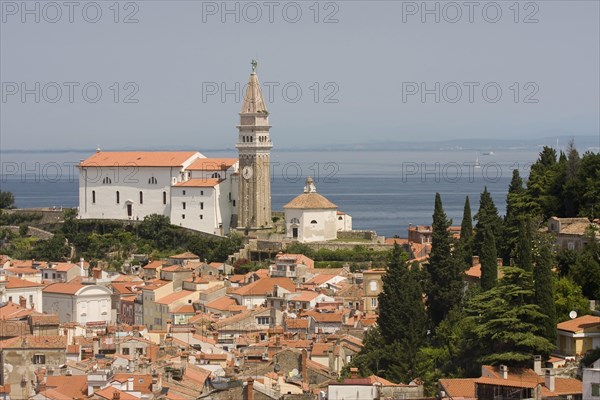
x=324, y=229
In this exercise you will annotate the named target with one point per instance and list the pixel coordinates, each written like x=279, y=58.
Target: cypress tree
x=487, y=216
x=523, y=257
x=465, y=245
x=488, y=259
x=544, y=290
x=516, y=204
x=445, y=289
x=402, y=316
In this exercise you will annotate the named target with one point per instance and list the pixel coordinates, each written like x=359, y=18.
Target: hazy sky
x=361, y=66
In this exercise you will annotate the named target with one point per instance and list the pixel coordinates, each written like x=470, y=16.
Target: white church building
x=311, y=217
x=212, y=195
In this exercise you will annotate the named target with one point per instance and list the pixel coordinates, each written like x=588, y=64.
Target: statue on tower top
x=254, y=65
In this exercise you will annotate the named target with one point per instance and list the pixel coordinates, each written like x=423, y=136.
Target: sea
x=383, y=191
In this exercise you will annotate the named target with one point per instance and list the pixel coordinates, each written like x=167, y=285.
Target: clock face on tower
x=247, y=172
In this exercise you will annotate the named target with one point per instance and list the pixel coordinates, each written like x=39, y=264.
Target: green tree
x=7, y=200
x=523, y=256
x=516, y=208
x=588, y=178
x=506, y=322
x=445, y=273
x=402, y=318
x=542, y=177
x=465, y=243
x=489, y=260
x=544, y=288
x=568, y=297
x=586, y=271
x=53, y=249
x=487, y=216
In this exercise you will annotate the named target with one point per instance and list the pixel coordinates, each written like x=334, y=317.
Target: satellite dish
x=276, y=368
x=294, y=372
x=573, y=314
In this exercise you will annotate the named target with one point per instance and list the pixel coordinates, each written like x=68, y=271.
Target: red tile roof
x=579, y=324
x=17, y=283
x=212, y=164
x=63, y=288
x=265, y=286
x=199, y=182
x=138, y=159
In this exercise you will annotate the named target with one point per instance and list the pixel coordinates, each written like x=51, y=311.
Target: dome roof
x=310, y=201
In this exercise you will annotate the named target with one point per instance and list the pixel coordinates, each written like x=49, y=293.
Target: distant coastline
x=582, y=142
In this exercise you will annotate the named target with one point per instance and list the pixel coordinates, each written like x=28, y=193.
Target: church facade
x=212, y=195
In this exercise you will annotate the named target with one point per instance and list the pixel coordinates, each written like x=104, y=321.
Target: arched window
x=106, y=180
x=216, y=175
x=340, y=218
x=152, y=181
x=295, y=221
x=313, y=221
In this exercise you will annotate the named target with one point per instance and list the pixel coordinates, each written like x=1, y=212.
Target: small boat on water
x=488, y=153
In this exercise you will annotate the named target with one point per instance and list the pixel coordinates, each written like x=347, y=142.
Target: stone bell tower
x=254, y=148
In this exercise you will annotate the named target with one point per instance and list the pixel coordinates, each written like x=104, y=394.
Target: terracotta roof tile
x=310, y=201
x=579, y=324
x=199, y=182
x=212, y=164
x=139, y=158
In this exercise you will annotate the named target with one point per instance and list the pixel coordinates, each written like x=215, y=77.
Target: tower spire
x=253, y=97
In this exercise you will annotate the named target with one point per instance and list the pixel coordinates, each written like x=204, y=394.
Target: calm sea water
x=383, y=191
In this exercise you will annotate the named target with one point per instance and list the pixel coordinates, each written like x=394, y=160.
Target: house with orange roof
x=152, y=269
x=371, y=388
x=287, y=265
x=577, y=336
x=221, y=305
x=306, y=300
x=22, y=356
x=161, y=310
x=152, y=291
x=255, y=321
x=62, y=271
x=20, y=291
x=255, y=294
x=88, y=305
x=504, y=382
x=326, y=322
x=570, y=232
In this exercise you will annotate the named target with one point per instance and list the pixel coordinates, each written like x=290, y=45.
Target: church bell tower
x=254, y=148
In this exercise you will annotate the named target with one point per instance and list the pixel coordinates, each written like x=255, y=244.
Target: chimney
x=537, y=365
x=130, y=384
x=504, y=371
x=22, y=301
x=116, y=395
x=304, y=360
x=82, y=270
x=353, y=373
x=475, y=261
x=250, y=389
x=216, y=337
x=97, y=273
x=550, y=379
